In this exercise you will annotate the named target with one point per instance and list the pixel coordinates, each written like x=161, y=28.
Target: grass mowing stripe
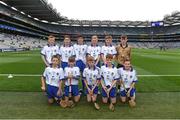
x=38, y=75
x=31, y=105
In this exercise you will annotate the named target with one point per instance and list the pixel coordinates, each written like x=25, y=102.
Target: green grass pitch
x=157, y=96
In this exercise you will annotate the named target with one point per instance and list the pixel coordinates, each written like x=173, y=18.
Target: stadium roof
x=41, y=10
x=173, y=19
x=38, y=9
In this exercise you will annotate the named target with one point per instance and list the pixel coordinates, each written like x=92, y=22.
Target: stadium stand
x=29, y=27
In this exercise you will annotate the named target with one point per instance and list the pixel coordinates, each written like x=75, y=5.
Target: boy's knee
x=77, y=98
x=123, y=100
x=50, y=101
x=105, y=101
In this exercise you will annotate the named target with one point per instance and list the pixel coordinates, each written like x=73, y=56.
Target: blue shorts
x=112, y=92
x=74, y=90
x=81, y=65
x=95, y=91
x=64, y=64
x=52, y=92
x=132, y=92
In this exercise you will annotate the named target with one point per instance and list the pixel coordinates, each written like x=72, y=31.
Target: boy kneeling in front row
x=128, y=79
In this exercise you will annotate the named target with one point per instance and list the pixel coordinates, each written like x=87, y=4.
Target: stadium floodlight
x=22, y=12
x=14, y=8
x=86, y=25
x=55, y=23
x=65, y=24
x=176, y=24
x=44, y=21
x=29, y=16
x=3, y=3
x=36, y=19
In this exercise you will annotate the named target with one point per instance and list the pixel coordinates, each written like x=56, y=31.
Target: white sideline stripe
x=38, y=75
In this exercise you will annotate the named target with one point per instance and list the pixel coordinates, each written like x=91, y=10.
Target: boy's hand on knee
x=128, y=94
x=91, y=92
x=59, y=93
x=43, y=88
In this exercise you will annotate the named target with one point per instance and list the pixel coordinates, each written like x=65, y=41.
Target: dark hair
x=123, y=37
x=108, y=37
x=67, y=36
x=110, y=56
x=80, y=36
x=51, y=36
x=90, y=58
x=71, y=59
x=56, y=56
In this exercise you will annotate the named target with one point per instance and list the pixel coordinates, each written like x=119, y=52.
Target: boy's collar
x=112, y=65
x=131, y=69
x=125, y=46
x=94, y=67
x=51, y=45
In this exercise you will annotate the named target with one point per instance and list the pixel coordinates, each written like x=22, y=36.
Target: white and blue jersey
x=109, y=75
x=66, y=52
x=127, y=76
x=75, y=72
x=91, y=75
x=94, y=51
x=80, y=52
x=53, y=76
x=48, y=51
x=105, y=50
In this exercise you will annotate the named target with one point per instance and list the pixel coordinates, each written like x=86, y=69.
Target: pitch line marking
x=38, y=75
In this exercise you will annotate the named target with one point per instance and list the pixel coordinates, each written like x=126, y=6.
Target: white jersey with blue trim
x=91, y=75
x=108, y=50
x=80, y=52
x=127, y=76
x=48, y=51
x=66, y=52
x=109, y=74
x=94, y=51
x=75, y=72
x=53, y=76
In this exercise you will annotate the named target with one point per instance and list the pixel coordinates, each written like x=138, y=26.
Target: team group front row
x=61, y=77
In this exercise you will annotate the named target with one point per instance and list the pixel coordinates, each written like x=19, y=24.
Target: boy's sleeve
x=45, y=73
x=43, y=51
x=77, y=76
x=61, y=77
x=84, y=74
x=73, y=51
x=135, y=77
x=119, y=73
x=59, y=52
x=102, y=50
x=99, y=74
x=99, y=50
x=114, y=51
x=88, y=50
x=116, y=76
x=65, y=73
x=78, y=72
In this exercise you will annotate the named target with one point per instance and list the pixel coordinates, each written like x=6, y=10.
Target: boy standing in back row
x=66, y=51
x=49, y=50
